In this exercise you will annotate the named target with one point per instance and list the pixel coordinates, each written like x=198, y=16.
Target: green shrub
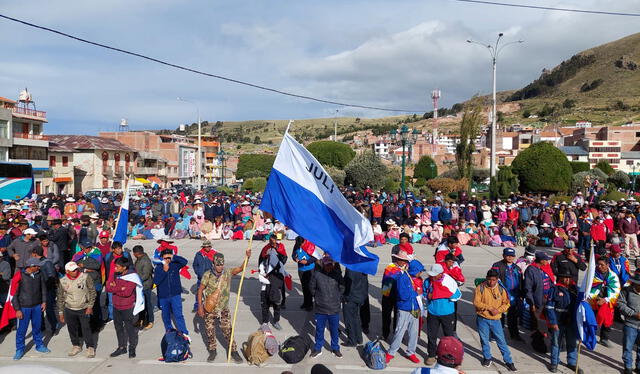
x=504, y=183
x=253, y=165
x=255, y=184
x=330, y=153
x=336, y=175
x=578, y=179
x=615, y=196
x=578, y=166
x=420, y=182
x=619, y=179
x=391, y=185
x=426, y=168
x=447, y=185
x=542, y=168
x=365, y=170
x=605, y=167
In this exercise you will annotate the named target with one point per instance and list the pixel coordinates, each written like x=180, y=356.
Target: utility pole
x=335, y=127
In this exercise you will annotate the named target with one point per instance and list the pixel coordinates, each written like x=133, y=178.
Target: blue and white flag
x=302, y=195
x=122, y=226
x=585, y=318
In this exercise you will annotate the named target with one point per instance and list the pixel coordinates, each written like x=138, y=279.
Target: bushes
x=255, y=184
x=504, y=183
x=620, y=179
x=542, y=168
x=254, y=165
x=330, y=153
x=579, y=166
x=605, y=167
x=578, y=179
x=426, y=168
x=448, y=185
x=614, y=195
x=365, y=170
x=336, y=175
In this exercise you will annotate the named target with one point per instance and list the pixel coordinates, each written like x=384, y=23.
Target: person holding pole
x=561, y=310
x=213, y=303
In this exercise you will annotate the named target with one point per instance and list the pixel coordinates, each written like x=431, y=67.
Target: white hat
x=403, y=255
x=94, y=216
x=390, y=222
x=435, y=269
x=438, y=191
x=268, y=220
x=29, y=231
x=71, y=199
x=245, y=203
x=579, y=193
x=104, y=200
x=493, y=225
x=438, y=223
x=71, y=266
x=545, y=225
x=472, y=221
x=531, y=223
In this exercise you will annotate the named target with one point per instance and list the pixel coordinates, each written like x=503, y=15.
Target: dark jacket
x=60, y=237
x=92, y=264
x=561, y=305
x=356, y=286
x=124, y=292
x=23, y=249
x=31, y=291
x=168, y=282
x=629, y=306
x=561, y=264
x=534, y=286
x=501, y=268
x=49, y=272
x=144, y=268
x=326, y=290
x=201, y=264
x=108, y=260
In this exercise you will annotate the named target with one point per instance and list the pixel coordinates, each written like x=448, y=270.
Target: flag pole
x=578, y=356
x=235, y=312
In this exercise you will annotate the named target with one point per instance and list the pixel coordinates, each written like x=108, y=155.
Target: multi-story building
x=61, y=165
x=98, y=162
x=604, y=150
x=210, y=164
x=381, y=148
x=152, y=167
x=6, y=116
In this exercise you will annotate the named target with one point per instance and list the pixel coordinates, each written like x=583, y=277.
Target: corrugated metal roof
x=574, y=150
x=630, y=155
x=89, y=142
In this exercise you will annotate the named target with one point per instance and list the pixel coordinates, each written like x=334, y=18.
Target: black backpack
x=294, y=349
x=175, y=347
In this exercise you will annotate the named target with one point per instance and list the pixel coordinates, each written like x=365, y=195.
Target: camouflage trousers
x=224, y=320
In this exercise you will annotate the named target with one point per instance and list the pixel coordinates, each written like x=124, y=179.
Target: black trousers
x=388, y=306
x=433, y=327
x=266, y=304
x=305, y=278
x=126, y=331
x=365, y=314
x=78, y=326
x=352, y=323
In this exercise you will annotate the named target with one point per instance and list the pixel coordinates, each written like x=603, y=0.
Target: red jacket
x=124, y=293
x=455, y=272
x=598, y=231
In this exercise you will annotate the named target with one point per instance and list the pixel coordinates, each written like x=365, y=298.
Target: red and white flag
x=8, y=313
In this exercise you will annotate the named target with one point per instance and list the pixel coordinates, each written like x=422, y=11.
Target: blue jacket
x=561, y=305
x=445, y=215
x=440, y=307
x=168, y=282
x=435, y=214
x=406, y=295
x=300, y=254
x=201, y=264
x=622, y=273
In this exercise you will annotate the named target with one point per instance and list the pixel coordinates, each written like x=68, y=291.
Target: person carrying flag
x=561, y=309
x=89, y=260
x=271, y=264
x=604, y=294
x=388, y=291
x=629, y=307
x=303, y=252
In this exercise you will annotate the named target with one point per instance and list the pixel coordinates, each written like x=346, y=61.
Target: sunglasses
x=166, y=258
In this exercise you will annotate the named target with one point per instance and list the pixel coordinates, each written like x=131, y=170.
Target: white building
x=381, y=148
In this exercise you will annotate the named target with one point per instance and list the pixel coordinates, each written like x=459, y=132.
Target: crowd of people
x=58, y=254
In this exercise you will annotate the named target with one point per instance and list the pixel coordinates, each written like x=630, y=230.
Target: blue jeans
x=195, y=304
x=148, y=305
x=569, y=334
x=110, y=305
x=51, y=312
x=630, y=338
x=486, y=327
x=33, y=315
x=321, y=322
x=173, y=306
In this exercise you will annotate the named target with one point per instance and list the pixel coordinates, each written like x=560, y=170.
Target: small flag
x=585, y=318
x=122, y=226
x=8, y=313
x=302, y=195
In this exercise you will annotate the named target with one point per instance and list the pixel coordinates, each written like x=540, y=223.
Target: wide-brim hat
x=245, y=203
x=71, y=200
x=390, y=222
x=545, y=225
x=532, y=223
x=438, y=223
x=402, y=255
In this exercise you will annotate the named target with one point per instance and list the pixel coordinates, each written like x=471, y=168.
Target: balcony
x=119, y=170
x=107, y=171
x=162, y=172
x=208, y=143
x=30, y=113
x=146, y=170
x=30, y=136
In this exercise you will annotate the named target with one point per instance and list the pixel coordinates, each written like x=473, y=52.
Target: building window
x=23, y=152
x=105, y=161
x=637, y=134
x=629, y=162
x=36, y=129
x=3, y=129
x=52, y=161
x=116, y=158
x=65, y=161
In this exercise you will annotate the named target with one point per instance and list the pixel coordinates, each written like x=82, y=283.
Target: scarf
x=208, y=254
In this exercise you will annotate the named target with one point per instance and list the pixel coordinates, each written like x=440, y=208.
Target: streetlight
x=494, y=51
x=221, y=158
x=407, y=139
x=199, y=141
x=633, y=186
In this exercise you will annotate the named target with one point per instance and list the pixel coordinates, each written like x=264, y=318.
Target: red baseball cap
x=104, y=234
x=450, y=351
x=615, y=248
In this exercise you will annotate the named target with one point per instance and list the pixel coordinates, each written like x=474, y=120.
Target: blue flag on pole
x=122, y=226
x=302, y=195
x=585, y=318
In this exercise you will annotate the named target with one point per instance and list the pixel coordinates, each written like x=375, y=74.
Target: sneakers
x=187, y=337
x=511, y=366
x=235, y=356
x=148, y=326
x=430, y=361
x=18, y=355
x=91, y=352
x=276, y=325
x=553, y=368
x=212, y=356
x=118, y=352
x=75, y=350
x=337, y=353
x=132, y=353
x=315, y=354
x=413, y=358
x=486, y=362
x=43, y=349
x=605, y=343
x=388, y=357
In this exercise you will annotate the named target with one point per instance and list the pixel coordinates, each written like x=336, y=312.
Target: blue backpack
x=374, y=355
x=175, y=347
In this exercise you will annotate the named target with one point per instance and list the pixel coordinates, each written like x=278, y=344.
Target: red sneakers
x=388, y=357
x=413, y=358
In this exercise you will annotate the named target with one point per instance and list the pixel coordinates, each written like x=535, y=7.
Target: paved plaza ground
x=294, y=322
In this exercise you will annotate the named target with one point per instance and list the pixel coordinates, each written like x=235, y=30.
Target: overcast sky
x=388, y=53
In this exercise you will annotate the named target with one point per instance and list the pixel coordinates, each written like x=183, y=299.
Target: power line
x=181, y=67
x=600, y=12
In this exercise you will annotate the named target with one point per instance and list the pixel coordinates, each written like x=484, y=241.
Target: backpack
x=294, y=349
x=374, y=355
x=270, y=343
x=254, y=349
x=175, y=347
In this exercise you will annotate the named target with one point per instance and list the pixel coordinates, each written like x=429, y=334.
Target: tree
x=254, y=162
x=542, y=168
x=526, y=113
x=448, y=185
x=504, y=183
x=605, y=167
x=620, y=179
x=257, y=140
x=365, y=170
x=337, y=175
x=568, y=103
x=330, y=153
x=578, y=166
x=426, y=168
x=255, y=184
x=469, y=129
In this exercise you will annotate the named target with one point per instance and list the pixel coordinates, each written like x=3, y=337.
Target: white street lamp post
x=199, y=158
